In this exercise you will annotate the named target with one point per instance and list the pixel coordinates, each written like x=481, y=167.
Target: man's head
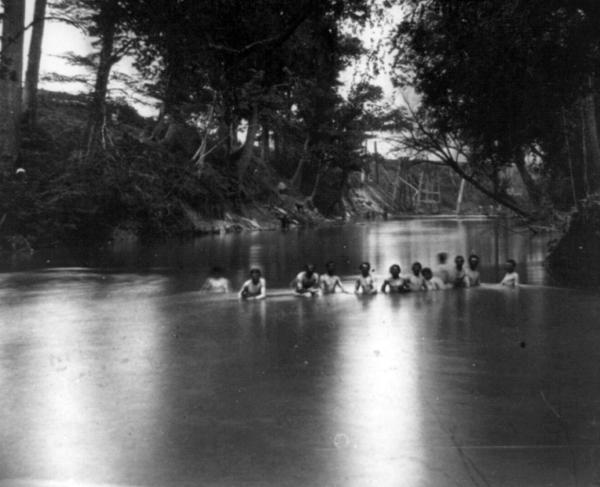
x=473, y=261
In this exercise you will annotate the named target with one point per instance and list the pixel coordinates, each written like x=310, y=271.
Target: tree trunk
x=200, y=156
x=297, y=177
x=248, y=149
x=569, y=156
x=493, y=195
x=94, y=135
x=318, y=180
x=33, y=64
x=593, y=144
x=265, y=143
x=11, y=77
x=278, y=146
x=584, y=155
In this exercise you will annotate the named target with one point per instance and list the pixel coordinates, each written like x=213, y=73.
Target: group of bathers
x=310, y=283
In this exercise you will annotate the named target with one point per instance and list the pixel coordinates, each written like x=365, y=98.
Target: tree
x=108, y=21
x=502, y=75
x=33, y=63
x=11, y=69
x=271, y=65
x=420, y=138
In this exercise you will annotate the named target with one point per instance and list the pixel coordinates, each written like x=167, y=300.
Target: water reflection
x=281, y=255
x=134, y=378
x=379, y=437
x=69, y=368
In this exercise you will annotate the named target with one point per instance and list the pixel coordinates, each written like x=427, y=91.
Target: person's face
x=509, y=267
x=255, y=276
x=427, y=276
x=473, y=263
x=364, y=270
x=416, y=268
x=395, y=271
x=459, y=261
x=310, y=269
x=331, y=269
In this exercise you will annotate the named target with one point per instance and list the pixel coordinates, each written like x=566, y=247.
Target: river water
x=115, y=370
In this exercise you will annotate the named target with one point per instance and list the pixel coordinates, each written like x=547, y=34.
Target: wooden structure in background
x=414, y=185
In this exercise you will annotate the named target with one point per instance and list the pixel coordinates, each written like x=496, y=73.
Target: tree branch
x=273, y=41
x=444, y=152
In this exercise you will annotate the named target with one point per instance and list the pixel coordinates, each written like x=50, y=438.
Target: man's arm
x=244, y=286
x=338, y=282
x=263, y=290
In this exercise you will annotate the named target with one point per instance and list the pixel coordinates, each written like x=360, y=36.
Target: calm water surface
x=114, y=370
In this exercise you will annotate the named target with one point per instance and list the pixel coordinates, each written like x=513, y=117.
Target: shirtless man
x=365, y=284
x=443, y=270
x=459, y=275
x=215, y=282
x=395, y=282
x=306, y=283
x=473, y=277
x=511, y=278
x=432, y=283
x=255, y=287
x=416, y=282
x=330, y=281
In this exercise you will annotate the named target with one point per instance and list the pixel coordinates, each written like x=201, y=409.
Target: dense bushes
x=131, y=185
x=575, y=258
x=65, y=197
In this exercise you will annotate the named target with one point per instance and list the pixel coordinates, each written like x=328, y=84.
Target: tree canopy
x=508, y=78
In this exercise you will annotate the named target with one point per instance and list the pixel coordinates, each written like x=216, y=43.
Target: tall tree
x=33, y=63
x=502, y=74
x=272, y=66
x=107, y=22
x=11, y=77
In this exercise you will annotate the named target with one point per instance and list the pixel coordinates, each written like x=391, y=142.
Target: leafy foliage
x=503, y=76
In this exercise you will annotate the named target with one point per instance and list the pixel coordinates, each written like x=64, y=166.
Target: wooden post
x=418, y=193
x=396, y=185
x=497, y=249
x=376, y=162
x=461, y=193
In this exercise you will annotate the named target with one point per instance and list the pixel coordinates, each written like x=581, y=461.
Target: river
x=116, y=371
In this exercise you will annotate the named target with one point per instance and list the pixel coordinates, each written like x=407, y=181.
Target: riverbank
x=140, y=188
x=574, y=259
x=143, y=186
